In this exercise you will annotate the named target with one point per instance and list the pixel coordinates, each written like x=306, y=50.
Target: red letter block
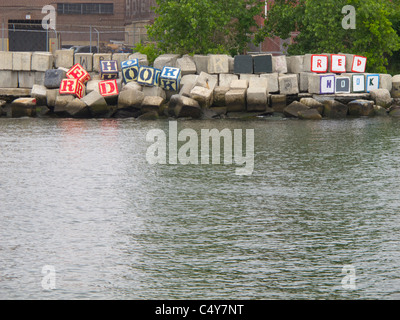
x=338, y=63
x=319, y=63
x=359, y=64
x=79, y=73
x=72, y=86
x=108, y=88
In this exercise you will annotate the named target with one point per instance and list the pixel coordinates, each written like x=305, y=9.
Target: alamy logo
x=188, y=153
x=349, y=21
x=49, y=21
x=49, y=278
x=349, y=279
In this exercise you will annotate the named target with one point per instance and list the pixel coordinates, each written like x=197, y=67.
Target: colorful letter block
x=108, y=69
x=372, y=82
x=170, y=78
x=108, y=88
x=147, y=76
x=130, y=70
x=359, y=64
x=327, y=84
x=342, y=85
x=358, y=83
x=73, y=87
x=338, y=63
x=319, y=63
x=79, y=73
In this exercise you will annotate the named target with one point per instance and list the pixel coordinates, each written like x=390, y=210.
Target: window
x=85, y=8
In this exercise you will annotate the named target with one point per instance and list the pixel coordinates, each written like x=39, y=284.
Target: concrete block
x=342, y=84
x=262, y=63
x=142, y=58
x=359, y=64
x=39, y=77
x=225, y=79
x=132, y=85
x=258, y=82
x=295, y=64
x=120, y=57
x=42, y=61
x=319, y=63
x=273, y=81
x=349, y=61
x=278, y=102
x=53, y=78
x=243, y=64
x=93, y=85
x=154, y=92
x=321, y=83
x=288, y=84
x=247, y=76
x=130, y=99
x=166, y=60
x=22, y=61
x=85, y=60
x=96, y=103
x=307, y=62
x=303, y=81
x=358, y=83
x=52, y=95
x=26, y=79
x=385, y=81
x=395, y=92
x=6, y=60
x=218, y=63
x=186, y=65
x=338, y=63
x=206, y=80
x=203, y=96
x=201, y=63
x=239, y=84
x=372, y=82
x=152, y=103
x=257, y=99
x=97, y=57
x=64, y=58
x=279, y=64
x=219, y=96
x=39, y=93
x=236, y=100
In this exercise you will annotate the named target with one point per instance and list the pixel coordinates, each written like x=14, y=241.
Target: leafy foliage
x=320, y=27
x=150, y=50
x=206, y=26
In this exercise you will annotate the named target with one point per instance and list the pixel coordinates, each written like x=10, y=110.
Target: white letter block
x=358, y=83
x=319, y=63
x=359, y=64
x=338, y=63
x=327, y=84
x=372, y=82
x=342, y=85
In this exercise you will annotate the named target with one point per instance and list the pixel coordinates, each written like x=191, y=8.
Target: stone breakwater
x=200, y=87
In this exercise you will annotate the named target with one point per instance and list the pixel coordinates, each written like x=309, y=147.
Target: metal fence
x=16, y=36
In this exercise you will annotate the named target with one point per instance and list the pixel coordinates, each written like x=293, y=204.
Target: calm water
x=80, y=196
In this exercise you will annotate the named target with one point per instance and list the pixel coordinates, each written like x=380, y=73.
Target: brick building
x=77, y=23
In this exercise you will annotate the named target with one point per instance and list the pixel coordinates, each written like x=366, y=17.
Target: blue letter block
x=108, y=69
x=147, y=76
x=130, y=70
x=170, y=78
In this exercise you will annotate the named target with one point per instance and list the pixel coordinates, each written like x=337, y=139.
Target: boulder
x=292, y=110
x=335, y=109
x=151, y=115
x=309, y=114
x=360, y=108
x=154, y=92
x=380, y=111
x=130, y=99
x=313, y=104
x=381, y=97
x=132, y=85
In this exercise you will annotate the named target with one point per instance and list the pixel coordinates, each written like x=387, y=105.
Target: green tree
x=205, y=26
x=320, y=26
